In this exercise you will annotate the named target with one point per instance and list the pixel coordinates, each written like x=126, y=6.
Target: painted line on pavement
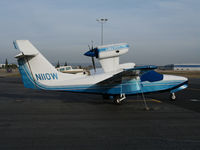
x=195, y=100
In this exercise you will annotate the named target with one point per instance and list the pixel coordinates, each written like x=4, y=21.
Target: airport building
x=181, y=67
x=186, y=67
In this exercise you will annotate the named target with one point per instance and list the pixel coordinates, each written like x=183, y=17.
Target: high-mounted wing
x=132, y=72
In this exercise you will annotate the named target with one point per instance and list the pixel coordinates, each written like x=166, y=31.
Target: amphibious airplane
x=115, y=81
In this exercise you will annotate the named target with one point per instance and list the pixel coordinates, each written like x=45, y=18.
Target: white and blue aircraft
x=115, y=80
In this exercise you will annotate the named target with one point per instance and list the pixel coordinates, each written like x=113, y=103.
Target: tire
x=117, y=100
x=173, y=97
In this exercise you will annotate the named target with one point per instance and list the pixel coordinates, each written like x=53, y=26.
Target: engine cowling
x=113, y=50
x=108, y=55
x=106, y=51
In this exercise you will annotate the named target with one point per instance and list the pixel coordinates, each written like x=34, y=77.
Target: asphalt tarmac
x=49, y=120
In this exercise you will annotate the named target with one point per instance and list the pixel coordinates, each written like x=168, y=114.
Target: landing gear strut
x=119, y=98
x=173, y=96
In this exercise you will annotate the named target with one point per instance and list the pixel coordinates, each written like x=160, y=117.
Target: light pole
x=102, y=21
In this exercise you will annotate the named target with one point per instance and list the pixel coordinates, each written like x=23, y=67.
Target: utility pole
x=102, y=21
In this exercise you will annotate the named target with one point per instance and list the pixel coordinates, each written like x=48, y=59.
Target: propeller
x=91, y=53
x=93, y=62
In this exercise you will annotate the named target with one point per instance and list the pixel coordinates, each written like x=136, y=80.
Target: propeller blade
x=92, y=46
x=93, y=63
x=91, y=53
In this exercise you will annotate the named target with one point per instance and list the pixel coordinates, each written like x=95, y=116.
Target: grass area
x=14, y=73
x=188, y=74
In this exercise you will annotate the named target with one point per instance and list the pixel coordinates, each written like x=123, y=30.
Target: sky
x=159, y=32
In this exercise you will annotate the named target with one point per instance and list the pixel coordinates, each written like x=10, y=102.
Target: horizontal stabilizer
x=26, y=48
x=21, y=55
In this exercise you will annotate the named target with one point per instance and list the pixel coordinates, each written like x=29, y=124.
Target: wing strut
x=143, y=97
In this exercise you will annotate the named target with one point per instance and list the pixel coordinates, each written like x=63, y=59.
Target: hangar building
x=181, y=67
x=186, y=67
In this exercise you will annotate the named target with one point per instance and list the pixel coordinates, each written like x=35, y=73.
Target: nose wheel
x=173, y=96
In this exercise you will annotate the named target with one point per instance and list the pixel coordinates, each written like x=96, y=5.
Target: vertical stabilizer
x=35, y=69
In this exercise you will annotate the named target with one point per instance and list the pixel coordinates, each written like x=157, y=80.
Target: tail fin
x=34, y=68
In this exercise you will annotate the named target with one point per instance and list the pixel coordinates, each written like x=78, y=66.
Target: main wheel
x=117, y=100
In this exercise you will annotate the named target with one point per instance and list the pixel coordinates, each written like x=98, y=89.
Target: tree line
x=8, y=66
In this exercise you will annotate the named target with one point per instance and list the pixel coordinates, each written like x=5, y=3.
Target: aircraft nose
x=175, y=78
x=183, y=78
x=181, y=83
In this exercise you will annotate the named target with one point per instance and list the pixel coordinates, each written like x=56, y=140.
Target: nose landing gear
x=173, y=96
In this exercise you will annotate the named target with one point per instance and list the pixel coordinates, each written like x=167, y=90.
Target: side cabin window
x=68, y=68
x=62, y=69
